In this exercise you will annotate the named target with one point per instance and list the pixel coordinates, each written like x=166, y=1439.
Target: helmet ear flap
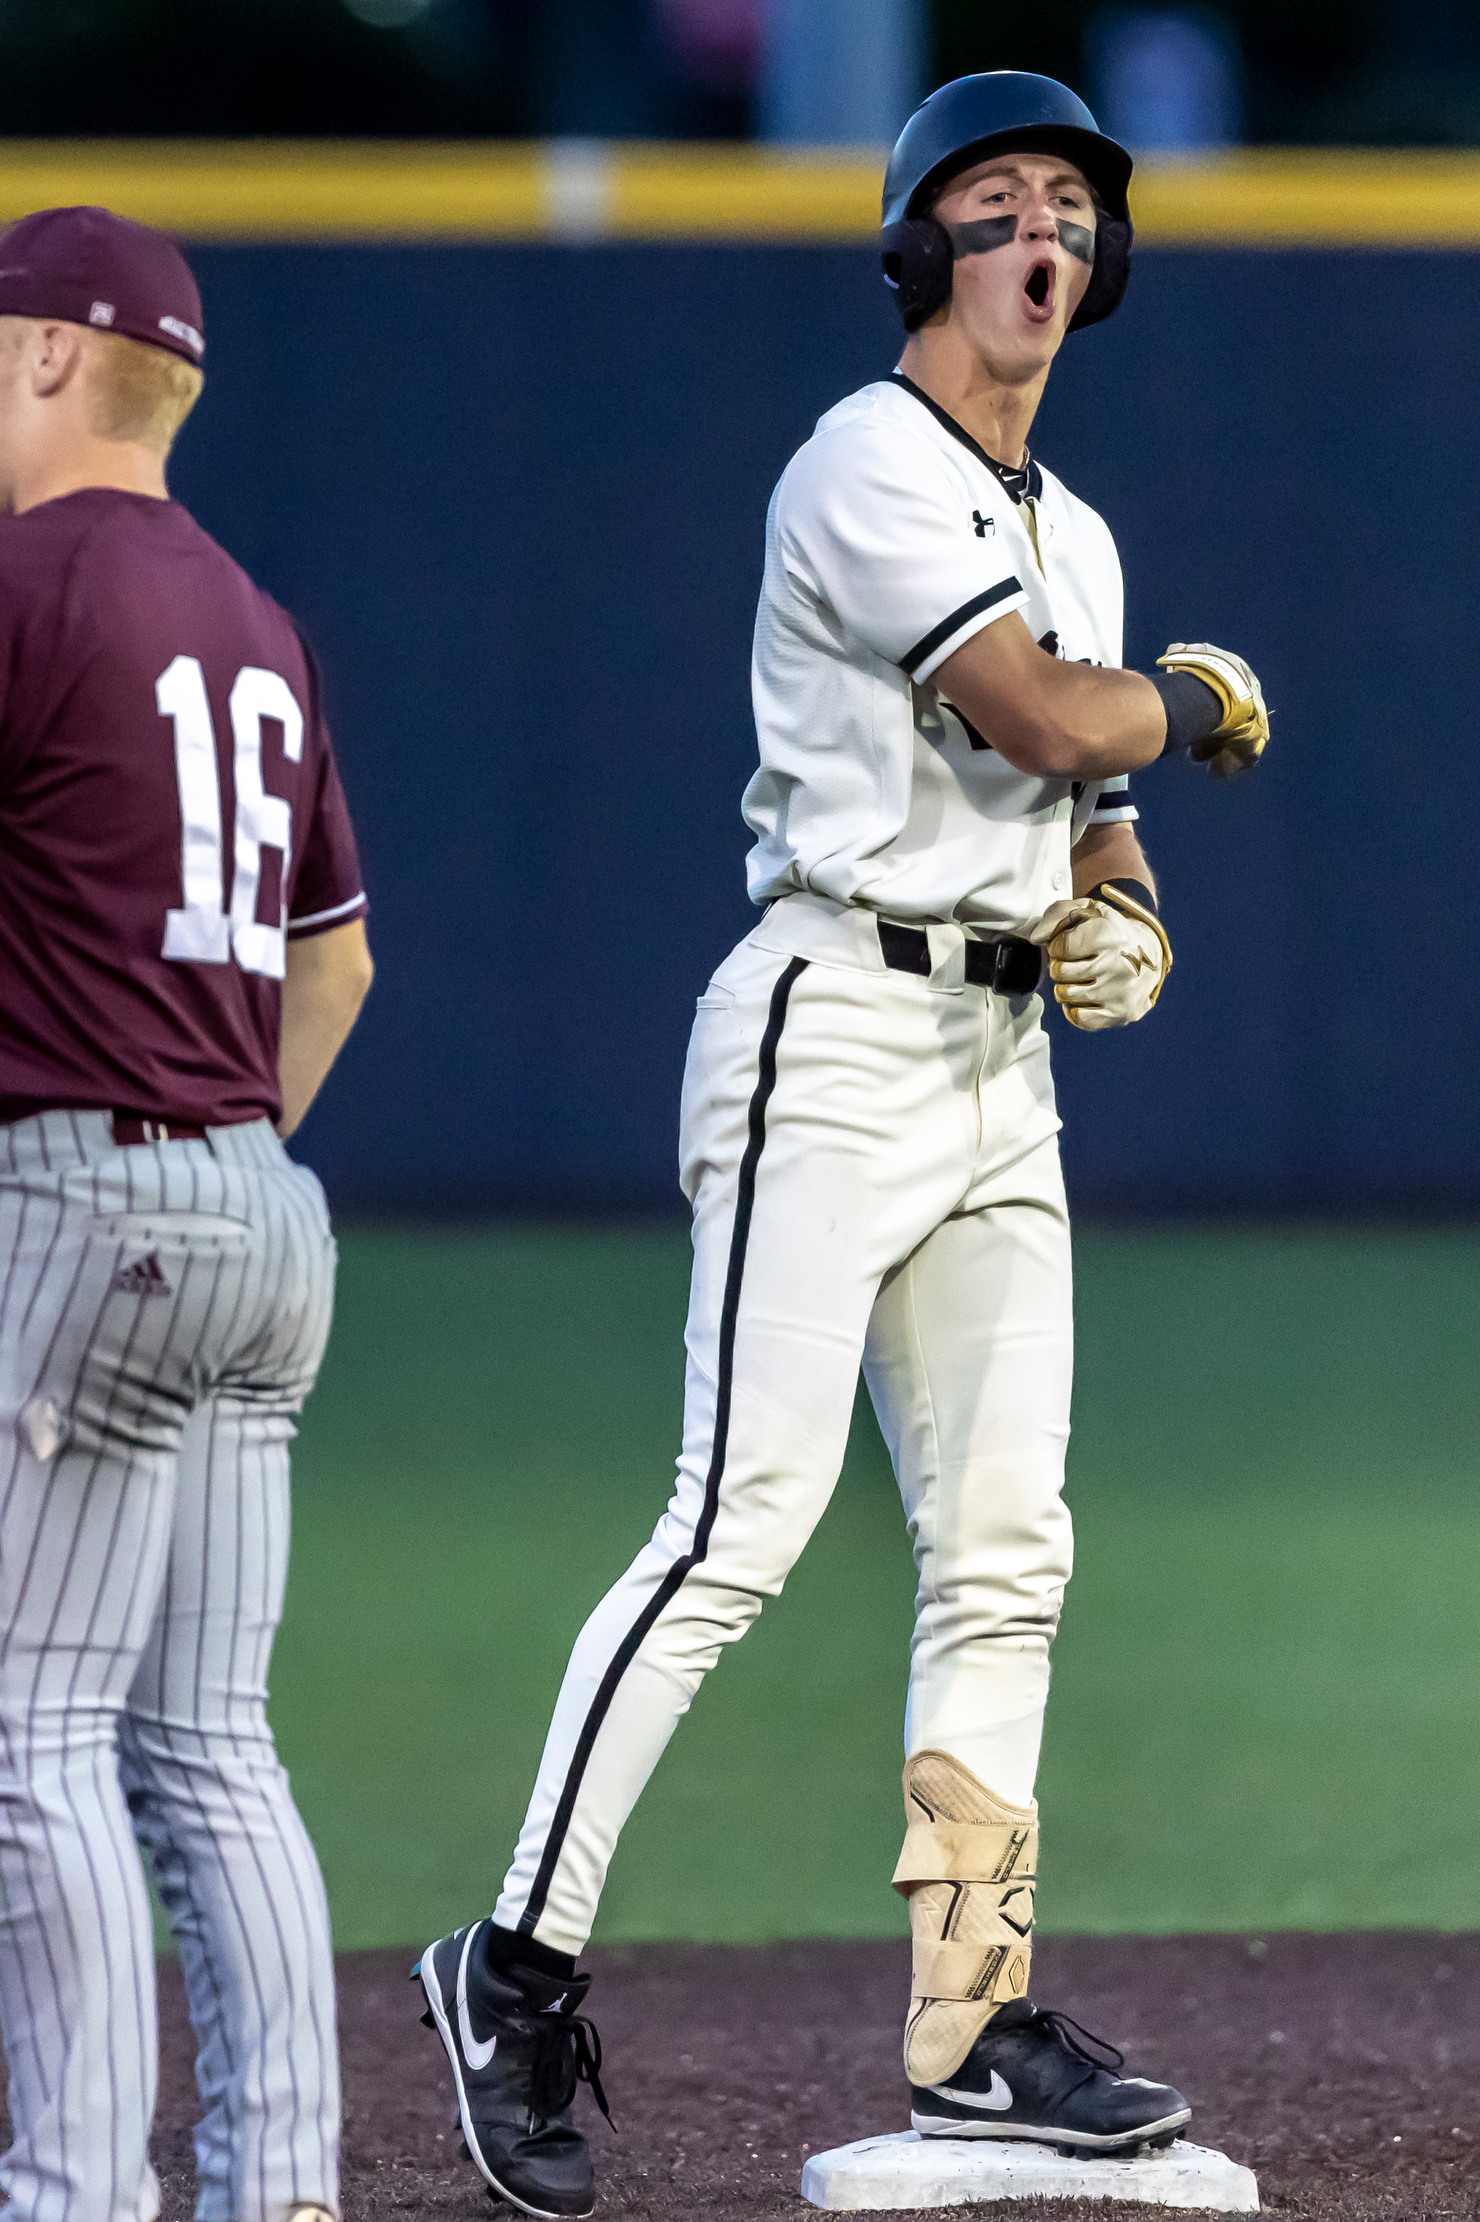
x=917, y=256
x=1113, y=240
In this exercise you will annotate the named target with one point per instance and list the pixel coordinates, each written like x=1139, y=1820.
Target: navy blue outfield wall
x=517, y=496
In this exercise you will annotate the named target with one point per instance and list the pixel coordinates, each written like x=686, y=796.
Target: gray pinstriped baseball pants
x=163, y=1313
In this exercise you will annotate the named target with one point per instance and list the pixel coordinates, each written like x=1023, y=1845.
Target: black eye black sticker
x=982, y=236
x=1078, y=241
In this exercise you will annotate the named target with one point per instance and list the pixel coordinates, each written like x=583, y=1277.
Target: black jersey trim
x=942, y=632
x=1030, y=474
x=678, y=1573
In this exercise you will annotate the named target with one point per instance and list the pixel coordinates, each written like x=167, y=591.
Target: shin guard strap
x=975, y=1971
x=966, y=1852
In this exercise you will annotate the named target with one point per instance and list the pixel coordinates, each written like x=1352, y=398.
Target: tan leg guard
x=968, y=1868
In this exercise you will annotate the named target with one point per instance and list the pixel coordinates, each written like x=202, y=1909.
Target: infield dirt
x=1344, y=2069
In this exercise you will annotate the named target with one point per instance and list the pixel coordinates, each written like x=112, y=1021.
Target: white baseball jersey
x=892, y=538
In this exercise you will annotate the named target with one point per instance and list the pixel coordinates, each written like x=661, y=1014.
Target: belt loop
x=947, y=959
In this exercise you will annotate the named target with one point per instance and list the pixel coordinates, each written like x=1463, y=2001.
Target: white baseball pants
x=872, y=1161
x=163, y=1312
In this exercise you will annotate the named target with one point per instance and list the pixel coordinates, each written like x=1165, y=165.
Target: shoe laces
x=1079, y=2040
x=567, y=2051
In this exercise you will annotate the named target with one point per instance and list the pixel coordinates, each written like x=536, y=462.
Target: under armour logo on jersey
x=145, y=1277
x=983, y=525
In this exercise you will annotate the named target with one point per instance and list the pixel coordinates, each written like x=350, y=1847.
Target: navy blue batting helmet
x=997, y=111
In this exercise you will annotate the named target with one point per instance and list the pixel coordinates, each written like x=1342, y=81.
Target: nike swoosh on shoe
x=995, y=2099
x=476, y=2053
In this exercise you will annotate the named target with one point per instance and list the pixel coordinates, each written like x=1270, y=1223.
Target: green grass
x=1267, y=1684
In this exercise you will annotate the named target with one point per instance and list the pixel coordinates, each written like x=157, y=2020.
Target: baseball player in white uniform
x=869, y=1141
x=182, y=952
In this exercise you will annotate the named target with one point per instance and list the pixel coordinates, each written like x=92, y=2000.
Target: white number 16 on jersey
x=201, y=932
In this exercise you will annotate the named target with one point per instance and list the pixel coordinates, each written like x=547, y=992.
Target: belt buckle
x=1013, y=969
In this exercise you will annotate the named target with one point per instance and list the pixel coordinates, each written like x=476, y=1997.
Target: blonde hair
x=138, y=392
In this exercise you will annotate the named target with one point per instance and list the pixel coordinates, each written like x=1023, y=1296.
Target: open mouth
x=1039, y=288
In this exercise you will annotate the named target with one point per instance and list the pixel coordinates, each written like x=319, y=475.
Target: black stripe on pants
x=681, y=1568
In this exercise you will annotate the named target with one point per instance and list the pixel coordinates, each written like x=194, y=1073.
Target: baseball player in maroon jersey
x=182, y=953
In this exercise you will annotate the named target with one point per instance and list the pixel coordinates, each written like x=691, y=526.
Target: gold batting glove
x=1108, y=955
x=1239, y=742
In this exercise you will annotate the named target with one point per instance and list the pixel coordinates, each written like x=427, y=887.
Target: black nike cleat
x=1030, y=2075
x=518, y=2049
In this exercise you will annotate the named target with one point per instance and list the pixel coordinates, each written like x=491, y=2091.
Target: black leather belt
x=1007, y=967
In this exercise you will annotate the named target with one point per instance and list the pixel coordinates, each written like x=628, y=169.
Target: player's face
x=1014, y=295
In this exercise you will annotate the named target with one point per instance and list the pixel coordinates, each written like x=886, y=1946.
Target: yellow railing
x=367, y=190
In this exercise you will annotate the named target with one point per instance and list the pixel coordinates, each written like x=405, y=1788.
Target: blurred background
x=1299, y=72
x=516, y=310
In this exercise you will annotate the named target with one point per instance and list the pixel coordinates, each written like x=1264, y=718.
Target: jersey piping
x=911, y=662
x=1025, y=484
x=316, y=921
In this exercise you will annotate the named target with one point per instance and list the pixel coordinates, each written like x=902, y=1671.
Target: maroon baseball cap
x=88, y=266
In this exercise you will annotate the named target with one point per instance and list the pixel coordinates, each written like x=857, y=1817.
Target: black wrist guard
x=1136, y=892
x=1194, y=712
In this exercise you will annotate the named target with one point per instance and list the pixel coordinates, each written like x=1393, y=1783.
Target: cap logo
x=186, y=332
x=101, y=312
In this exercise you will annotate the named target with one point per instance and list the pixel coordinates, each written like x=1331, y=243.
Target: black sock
x=503, y=1951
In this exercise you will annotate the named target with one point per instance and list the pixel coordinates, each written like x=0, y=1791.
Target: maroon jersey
x=170, y=814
